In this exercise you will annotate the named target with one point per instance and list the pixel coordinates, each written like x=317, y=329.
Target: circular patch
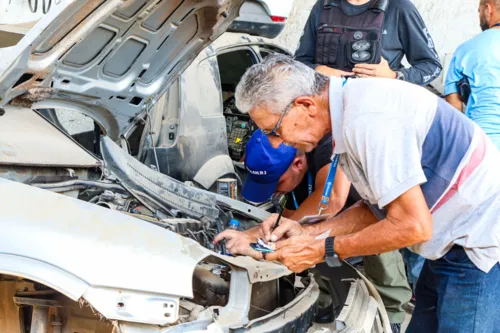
x=358, y=35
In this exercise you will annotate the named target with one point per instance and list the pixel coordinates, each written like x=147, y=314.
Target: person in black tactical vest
x=370, y=38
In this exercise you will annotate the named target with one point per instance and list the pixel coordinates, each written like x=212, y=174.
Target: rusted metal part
x=40, y=320
x=31, y=96
x=36, y=302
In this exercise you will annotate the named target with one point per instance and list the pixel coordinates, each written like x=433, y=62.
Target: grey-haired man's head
x=286, y=99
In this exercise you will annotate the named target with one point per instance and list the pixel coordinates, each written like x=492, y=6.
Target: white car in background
x=264, y=18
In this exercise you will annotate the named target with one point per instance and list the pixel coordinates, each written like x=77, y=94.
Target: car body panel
x=280, y=8
x=111, y=56
x=42, y=272
x=265, y=18
x=100, y=246
x=17, y=149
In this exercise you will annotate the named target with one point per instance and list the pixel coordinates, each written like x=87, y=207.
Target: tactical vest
x=343, y=41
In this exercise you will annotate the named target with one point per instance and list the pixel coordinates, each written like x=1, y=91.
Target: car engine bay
x=121, y=183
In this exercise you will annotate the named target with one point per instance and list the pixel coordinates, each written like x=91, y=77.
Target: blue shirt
x=479, y=60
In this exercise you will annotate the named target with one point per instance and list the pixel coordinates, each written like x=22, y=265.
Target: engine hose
x=77, y=182
x=65, y=188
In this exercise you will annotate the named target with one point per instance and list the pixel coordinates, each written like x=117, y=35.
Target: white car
x=265, y=18
x=110, y=230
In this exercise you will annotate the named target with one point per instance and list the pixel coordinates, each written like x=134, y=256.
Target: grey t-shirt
x=404, y=34
x=393, y=136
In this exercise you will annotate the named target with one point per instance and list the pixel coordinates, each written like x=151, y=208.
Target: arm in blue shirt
x=418, y=47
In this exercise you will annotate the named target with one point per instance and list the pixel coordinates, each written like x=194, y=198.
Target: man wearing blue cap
x=285, y=169
x=288, y=170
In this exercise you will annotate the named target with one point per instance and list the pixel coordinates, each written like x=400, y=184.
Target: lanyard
x=309, y=189
x=327, y=190
x=496, y=25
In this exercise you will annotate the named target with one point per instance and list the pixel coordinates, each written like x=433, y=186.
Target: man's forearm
x=377, y=238
x=354, y=219
x=310, y=206
x=422, y=73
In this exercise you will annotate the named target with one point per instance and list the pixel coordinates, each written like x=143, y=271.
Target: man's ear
x=308, y=103
x=489, y=10
x=299, y=163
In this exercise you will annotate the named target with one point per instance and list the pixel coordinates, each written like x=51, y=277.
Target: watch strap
x=329, y=243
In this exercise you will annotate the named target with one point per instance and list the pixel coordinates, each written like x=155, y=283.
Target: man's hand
x=455, y=101
x=238, y=243
x=380, y=70
x=287, y=228
x=299, y=253
x=328, y=71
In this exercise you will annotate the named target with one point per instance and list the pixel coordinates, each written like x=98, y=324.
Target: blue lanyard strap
x=309, y=183
x=327, y=190
x=295, y=203
x=309, y=189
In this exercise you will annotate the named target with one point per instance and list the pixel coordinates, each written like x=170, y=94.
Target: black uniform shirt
x=316, y=160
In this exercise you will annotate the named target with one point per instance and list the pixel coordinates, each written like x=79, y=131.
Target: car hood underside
x=110, y=59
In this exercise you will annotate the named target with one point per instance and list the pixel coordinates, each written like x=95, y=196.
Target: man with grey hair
x=426, y=173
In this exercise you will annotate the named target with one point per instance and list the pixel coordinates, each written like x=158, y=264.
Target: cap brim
x=257, y=192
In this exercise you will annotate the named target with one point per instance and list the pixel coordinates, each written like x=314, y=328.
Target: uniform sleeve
x=387, y=151
x=418, y=47
x=306, y=51
x=454, y=75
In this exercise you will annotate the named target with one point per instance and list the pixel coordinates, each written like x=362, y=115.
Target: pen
x=281, y=208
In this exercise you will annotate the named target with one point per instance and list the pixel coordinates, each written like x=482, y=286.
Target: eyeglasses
x=274, y=132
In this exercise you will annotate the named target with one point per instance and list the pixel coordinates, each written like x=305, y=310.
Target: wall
x=450, y=22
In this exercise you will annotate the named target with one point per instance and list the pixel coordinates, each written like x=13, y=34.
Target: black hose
x=78, y=182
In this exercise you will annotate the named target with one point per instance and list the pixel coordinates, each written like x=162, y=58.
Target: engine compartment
x=122, y=184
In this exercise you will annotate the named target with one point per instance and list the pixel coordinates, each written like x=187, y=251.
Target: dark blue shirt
x=405, y=34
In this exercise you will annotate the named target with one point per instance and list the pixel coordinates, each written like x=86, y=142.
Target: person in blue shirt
x=478, y=62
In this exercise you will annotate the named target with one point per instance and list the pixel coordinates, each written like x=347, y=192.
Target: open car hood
x=109, y=59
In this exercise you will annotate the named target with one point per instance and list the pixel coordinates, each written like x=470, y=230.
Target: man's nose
x=275, y=141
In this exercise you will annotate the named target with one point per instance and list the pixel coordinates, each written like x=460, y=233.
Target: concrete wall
x=450, y=22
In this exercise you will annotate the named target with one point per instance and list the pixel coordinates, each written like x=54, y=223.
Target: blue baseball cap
x=265, y=166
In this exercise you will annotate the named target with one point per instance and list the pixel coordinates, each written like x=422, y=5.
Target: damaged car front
x=100, y=242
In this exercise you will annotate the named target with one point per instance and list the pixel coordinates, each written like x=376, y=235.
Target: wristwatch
x=400, y=76
x=331, y=258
